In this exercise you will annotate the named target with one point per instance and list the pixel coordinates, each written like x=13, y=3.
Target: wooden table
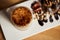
x=8, y=3
x=2, y=37
x=51, y=34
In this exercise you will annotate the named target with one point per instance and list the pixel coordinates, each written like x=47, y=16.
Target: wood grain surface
x=51, y=34
x=8, y=3
x=2, y=37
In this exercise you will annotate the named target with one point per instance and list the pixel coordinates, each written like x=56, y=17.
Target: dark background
x=8, y=3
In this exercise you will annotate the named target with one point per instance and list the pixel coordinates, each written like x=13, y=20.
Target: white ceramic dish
x=10, y=10
x=11, y=33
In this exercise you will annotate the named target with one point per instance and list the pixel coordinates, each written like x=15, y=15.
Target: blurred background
x=8, y=3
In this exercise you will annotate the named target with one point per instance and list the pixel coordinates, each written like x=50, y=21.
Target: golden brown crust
x=21, y=16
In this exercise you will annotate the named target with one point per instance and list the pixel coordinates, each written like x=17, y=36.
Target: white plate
x=11, y=33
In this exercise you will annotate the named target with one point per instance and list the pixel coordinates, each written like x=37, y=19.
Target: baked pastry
x=21, y=16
